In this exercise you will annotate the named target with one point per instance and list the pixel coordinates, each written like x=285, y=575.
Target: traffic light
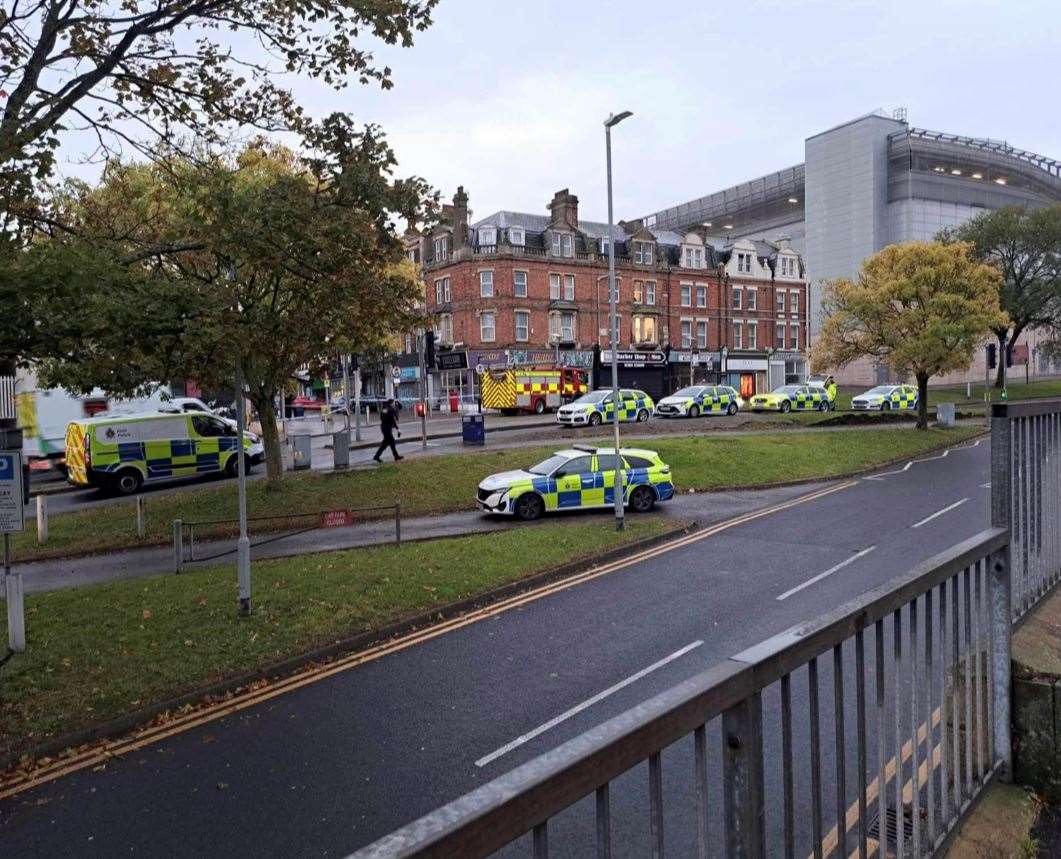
x=992, y=356
x=429, y=349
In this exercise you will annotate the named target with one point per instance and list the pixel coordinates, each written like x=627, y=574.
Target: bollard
x=178, y=545
x=303, y=452
x=398, y=523
x=140, y=525
x=42, y=519
x=16, y=612
x=341, y=449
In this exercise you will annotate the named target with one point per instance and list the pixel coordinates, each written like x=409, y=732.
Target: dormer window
x=788, y=266
x=563, y=245
x=643, y=253
x=441, y=248
x=487, y=236
x=604, y=242
x=694, y=257
x=516, y=236
x=744, y=263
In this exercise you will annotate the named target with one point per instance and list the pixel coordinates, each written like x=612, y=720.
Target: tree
x=142, y=74
x=919, y=307
x=1025, y=246
x=263, y=261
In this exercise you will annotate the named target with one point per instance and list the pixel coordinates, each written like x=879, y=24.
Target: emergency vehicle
x=596, y=408
x=789, y=398
x=576, y=479
x=699, y=400
x=122, y=452
x=531, y=389
x=886, y=398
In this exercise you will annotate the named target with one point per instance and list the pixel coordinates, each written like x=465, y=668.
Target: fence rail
x=763, y=759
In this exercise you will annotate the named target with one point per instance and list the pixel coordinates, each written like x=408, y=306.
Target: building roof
x=594, y=229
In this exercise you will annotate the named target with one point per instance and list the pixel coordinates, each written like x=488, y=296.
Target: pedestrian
x=388, y=424
x=830, y=391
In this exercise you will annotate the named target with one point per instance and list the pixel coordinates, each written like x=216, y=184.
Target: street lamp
x=243, y=544
x=617, y=492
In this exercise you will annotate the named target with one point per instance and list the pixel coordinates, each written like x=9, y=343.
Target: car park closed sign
x=11, y=509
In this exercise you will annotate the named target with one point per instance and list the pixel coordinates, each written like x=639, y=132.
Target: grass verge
x=97, y=653
x=441, y=484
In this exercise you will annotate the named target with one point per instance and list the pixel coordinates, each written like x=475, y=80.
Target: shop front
x=694, y=368
x=747, y=373
x=645, y=371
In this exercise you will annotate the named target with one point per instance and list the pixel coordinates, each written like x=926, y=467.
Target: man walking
x=388, y=424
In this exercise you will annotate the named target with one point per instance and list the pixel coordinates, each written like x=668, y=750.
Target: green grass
x=98, y=652
x=446, y=483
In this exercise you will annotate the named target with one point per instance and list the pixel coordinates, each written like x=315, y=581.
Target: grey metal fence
x=876, y=725
x=1026, y=493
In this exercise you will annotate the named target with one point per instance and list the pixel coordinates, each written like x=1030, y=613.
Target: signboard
x=451, y=360
x=336, y=518
x=633, y=359
x=1020, y=353
x=397, y=373
x=735, y=364
x=409, y=374
x=11, y=507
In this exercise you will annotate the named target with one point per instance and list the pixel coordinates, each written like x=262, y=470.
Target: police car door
x=570, y=478
x=605, y=472
x=211, y=438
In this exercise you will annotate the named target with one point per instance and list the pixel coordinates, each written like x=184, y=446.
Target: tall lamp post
x=612, y=121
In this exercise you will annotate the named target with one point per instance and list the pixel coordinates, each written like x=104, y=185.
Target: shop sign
x=451, y=360
x=633, y=359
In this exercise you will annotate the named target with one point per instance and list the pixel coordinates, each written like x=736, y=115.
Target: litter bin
x=341, y=449
x=945, y=415
x=473, y=429
x=303, y=451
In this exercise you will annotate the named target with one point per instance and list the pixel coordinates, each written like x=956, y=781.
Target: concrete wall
x=922, y=220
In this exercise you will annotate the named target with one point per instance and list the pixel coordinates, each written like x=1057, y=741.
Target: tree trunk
x=274, y=458
x=1000, y=370
x=922, y=400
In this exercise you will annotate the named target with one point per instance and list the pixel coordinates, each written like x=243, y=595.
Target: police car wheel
x=232, y=466
x=529, y=507
x=539, y=407
x=594, y=419
x=731, y=409
x=823, y=406
x=642, y=499
x=694, y=411
x=128, y=481
x=786, y=406
x=885, y=407
x=642, y=416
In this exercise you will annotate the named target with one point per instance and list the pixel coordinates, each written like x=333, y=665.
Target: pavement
x=339, y=762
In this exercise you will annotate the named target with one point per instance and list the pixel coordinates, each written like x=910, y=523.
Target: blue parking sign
x=7, y=466
x=11, y=510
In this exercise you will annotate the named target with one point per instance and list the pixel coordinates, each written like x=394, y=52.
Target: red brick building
x=514, y=283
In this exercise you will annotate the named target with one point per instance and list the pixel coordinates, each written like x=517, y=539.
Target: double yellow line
x=117, y=748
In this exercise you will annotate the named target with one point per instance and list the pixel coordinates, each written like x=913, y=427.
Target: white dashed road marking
x=828, y=572
x=938, y=513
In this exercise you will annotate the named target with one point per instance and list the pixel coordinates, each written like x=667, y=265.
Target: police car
x=886, y=398
x=578, y=478
x=596, y=407
x=699, y=400
x=792, y=397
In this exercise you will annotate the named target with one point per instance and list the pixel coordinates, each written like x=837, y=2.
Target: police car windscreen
x=595, y=397
x=787, y=390
x=880, y=390
x=688, y=392
x=548, y=466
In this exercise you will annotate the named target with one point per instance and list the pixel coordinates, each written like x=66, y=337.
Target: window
x=208, y=427
x=701, y=334
x=779, y=299
x=487, y=329
x=438, y=292
x=701, y=296
x=516, y=236
x=408, y=343
x=441, y=248
x=738, y=297
x=604, y=242
x=753, y=335
x=779, y=336
x=445, y=328
x=554, y=287
x=562, y=326
x=793, y=302
x=486, y=284
x=687, y=334
x=519, y=284
x=753, y=299
x=644, y=330
x=442, y=291
x=694, y=257
x=569, y=287
x=563, y=245
x=650, y=292
x=795, y=336
x=643, y=253
x=639, y=291
x=487, y=236
x=687, y=295
x=738, y=335
x=522, y=326
x=744, y=263
x=578, y=465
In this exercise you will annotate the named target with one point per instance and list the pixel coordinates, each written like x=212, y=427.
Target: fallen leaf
x=147, y=614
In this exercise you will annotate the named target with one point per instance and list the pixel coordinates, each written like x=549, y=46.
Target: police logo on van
x=109, y=432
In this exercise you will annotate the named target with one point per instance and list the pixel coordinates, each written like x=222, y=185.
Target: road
x=342, y=761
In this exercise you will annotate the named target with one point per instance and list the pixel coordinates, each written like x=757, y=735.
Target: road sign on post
x=12, y=518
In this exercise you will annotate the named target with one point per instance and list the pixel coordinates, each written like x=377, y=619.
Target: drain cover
x=891, y=830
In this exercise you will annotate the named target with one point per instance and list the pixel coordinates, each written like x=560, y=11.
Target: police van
x=121, y=453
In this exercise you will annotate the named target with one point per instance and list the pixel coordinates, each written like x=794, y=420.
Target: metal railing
x=1026, y=493
x=760, y=759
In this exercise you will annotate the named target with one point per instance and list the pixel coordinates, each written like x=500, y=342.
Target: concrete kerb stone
x=124, y=725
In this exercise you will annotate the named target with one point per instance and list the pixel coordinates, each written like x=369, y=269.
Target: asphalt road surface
x=338, y=763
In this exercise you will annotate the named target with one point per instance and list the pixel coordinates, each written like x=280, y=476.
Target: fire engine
x=532, y=389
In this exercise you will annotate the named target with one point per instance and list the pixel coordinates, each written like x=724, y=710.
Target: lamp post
x=613, y=120
x=243, y=544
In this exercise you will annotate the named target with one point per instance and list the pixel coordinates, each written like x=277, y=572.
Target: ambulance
x=531, y=389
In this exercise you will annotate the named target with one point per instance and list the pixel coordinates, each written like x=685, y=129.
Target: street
x=340, y=762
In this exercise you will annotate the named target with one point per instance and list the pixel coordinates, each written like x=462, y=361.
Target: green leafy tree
x=921, y=308
x=1025, y=246
x=265, y=261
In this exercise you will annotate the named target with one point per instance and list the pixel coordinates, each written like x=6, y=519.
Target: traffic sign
x=480, y=369
x=397, y=373
x=11, y=504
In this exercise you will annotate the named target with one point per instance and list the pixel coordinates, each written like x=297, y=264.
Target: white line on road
x=828, y=572
x=913, y=462
x=589, y=702
x=986, y=485
x=938, y=513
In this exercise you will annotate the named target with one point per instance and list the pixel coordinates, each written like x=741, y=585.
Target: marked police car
x=885, y=398
x=787, y=398
x=699, y=400
x=596, y=407
x=578, y=478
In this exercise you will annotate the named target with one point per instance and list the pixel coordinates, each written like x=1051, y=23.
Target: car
x=699, y=400
x=594, y=408
x=577, y=478
x=192, y=404
x=884, y=398
x=789, y=398
x=820, y=387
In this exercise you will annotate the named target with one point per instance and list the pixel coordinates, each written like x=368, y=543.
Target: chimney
x=460, y=218
x=783, y=243
x=564, y=208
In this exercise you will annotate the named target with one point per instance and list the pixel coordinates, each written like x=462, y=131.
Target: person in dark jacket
x=388, y=424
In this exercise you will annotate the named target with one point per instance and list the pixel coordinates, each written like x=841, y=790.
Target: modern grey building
x=867, y=183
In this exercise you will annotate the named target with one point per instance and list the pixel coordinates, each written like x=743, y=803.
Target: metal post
x=1001, y=630
x=742, y=779
x=140, y=519
x=346, y=390
x=423, y=390
x=1001, y=471
x=42, y=519
x=16, y=610
x=178, y=545
x=357, y=402
x=617, y=491
x=243, y=545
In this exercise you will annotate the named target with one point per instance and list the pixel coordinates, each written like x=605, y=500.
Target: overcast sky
x=508, y=97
